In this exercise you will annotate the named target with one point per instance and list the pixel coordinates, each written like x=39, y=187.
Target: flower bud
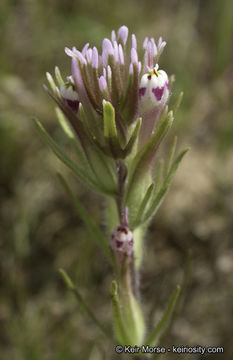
x=69, y=95
x=153, y=90
x=122, y=240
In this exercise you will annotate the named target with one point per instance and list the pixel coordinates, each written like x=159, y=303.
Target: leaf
x=144, y=157
x=58, y=76
x=139, y=173
x=171, y=155
x=100, y=164
x=110, y=130
x=165, y=318
x=119, y=324
x=91, y=227
x=160, y=195
x=82, y=303
x=178, y=102
x=143, y=205
x=158, y=177
x=104, y=178
x=79, y=172
x=51, y=82
x=69, y=133
x=109, y=120
x=133, y=137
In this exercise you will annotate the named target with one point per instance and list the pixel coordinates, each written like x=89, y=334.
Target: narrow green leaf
x=51, y=81
x=158, y=176
x=104, y=177
x=164, y=115
x=110, y=130
x=165, y=318
x=160, y=196
x=82, y=303
x=143, y=158
x=58, y=76
x=79, y=172
x=109, y=120
x=91, y=227
x=133, y=137
x=84, y=120
x=171, y=155
x=143, y=205
x=119, y=324
x=69, y=133
x=178, y=102
x=100, y=164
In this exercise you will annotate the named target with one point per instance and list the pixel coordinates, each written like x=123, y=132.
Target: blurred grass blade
x=185, y=281
x=171, y=155
x=91, y=227
x=165, y=318
x=160, y=196
x=119, y=325
x=82, y=303
x=79, y=172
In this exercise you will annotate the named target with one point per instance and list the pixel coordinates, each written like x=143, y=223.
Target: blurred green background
x=39, y=229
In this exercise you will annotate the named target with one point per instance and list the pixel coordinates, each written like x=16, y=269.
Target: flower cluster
x=115, y=102
x=109, y=91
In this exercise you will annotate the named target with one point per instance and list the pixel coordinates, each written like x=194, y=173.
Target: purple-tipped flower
x=122, y=237
x=122, y=240
x=153, y=96
x=102, y=83
x=95, y=58
x=107, y=50
x=123, y=34
x=154, y=89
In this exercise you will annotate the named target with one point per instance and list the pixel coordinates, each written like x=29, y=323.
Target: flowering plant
x=114, y=110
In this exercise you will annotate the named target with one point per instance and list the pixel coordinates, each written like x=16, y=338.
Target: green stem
x=122, y=173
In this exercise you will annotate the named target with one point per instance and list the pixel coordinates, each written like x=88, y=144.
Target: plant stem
x=122, y=173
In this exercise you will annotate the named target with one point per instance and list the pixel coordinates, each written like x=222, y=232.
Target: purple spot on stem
x=142, y=91
x=158, y=92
